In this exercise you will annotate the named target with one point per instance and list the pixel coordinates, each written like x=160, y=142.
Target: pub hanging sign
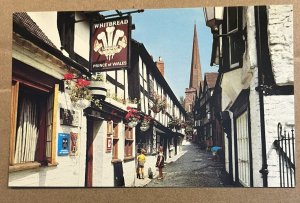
x=110, y=44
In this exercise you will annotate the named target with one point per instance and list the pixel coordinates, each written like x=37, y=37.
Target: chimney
x=160, y=65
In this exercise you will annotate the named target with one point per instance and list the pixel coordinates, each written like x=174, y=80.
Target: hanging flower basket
x=170, y=125
x=155, y=109
x=144, y=128
x=77, y=88
x=98, y=89
x=145, y=125
x=159, y=102
x=133, y=117
x=132, y=124
x=177, y=127
x=82, y=104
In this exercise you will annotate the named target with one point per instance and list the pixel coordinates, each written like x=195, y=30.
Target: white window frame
x=243, y=148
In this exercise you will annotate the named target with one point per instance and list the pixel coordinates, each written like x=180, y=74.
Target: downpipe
x=260, y=88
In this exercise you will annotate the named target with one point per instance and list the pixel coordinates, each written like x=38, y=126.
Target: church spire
x=196, y=75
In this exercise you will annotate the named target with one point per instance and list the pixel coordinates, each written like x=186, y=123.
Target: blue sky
x=169, y=33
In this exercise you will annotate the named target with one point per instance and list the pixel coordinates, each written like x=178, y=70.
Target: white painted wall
x=277, y=109
x=82, y=37
x=103, y=170
x=70, y=170
x=231, y=87
x=281, y=46
x=47, y=21
x=255, y=131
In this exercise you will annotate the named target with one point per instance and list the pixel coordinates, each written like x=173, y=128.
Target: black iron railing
x=285, y=146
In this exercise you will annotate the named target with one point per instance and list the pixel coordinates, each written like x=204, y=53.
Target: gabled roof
x=211, y=79
x=23, y=20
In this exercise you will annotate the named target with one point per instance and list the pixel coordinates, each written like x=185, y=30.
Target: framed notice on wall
x=74, y=144
x=68, y=117
x=110, y=44
x=108, y=144
x=63, y=143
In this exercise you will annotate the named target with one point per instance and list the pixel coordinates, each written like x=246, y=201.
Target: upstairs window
x=233, y=42
x=65, y=26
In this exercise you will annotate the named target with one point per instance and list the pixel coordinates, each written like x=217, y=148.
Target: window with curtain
x=33, y=125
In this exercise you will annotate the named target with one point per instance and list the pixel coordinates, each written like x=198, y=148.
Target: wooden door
x=89, y=155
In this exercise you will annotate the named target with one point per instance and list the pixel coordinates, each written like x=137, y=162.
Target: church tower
x=195, y=75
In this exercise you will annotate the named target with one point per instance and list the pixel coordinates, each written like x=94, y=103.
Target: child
x=141, y=161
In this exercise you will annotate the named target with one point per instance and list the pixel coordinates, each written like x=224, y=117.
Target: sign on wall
x=63, y=147
x=68, y=117
x=108, y=144
x=74, y=144
x=110, y=40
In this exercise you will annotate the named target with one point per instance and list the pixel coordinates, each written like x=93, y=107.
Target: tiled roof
x=211, y=79
x=23, y=19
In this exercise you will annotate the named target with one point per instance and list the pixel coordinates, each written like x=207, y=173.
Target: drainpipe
x=260, y=88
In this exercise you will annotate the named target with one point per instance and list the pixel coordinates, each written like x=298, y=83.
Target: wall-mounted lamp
x=213, y=17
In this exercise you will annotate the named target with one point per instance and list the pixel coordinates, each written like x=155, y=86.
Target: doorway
x=89, y=154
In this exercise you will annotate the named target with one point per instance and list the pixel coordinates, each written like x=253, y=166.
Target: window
x=243, y=148
x=233, y=44
x=33, y=124
x=115, y=141
x=65, y=25
x=128, y=142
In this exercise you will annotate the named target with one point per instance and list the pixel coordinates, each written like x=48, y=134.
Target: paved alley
x=195, y=168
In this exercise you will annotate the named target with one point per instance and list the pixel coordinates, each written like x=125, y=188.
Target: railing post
x=279, y=128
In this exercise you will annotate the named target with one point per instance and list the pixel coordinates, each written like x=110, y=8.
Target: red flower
x=82, y=83
x=128, y=108
x=128, y=115
x=68, y=76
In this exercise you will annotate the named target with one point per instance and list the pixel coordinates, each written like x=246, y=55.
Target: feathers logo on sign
x=109, y=43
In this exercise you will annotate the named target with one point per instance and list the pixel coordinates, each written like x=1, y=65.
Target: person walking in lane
x=160, y=162
x=141, y=161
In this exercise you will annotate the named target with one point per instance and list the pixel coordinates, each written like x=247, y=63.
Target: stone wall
x=281, y=46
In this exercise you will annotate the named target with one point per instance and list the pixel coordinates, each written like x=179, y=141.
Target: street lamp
x=213, y=17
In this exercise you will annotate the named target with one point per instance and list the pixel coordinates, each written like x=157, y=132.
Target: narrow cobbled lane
x=195, y=168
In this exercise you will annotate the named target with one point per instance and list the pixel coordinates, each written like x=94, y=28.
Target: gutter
x=260, y=88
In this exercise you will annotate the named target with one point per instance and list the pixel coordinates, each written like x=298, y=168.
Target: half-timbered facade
x=147, y=80
x=54, y=142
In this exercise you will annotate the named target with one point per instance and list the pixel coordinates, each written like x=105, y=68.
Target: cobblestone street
x=195, y=168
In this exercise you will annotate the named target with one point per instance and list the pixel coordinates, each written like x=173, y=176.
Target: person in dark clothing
x=160, y=162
